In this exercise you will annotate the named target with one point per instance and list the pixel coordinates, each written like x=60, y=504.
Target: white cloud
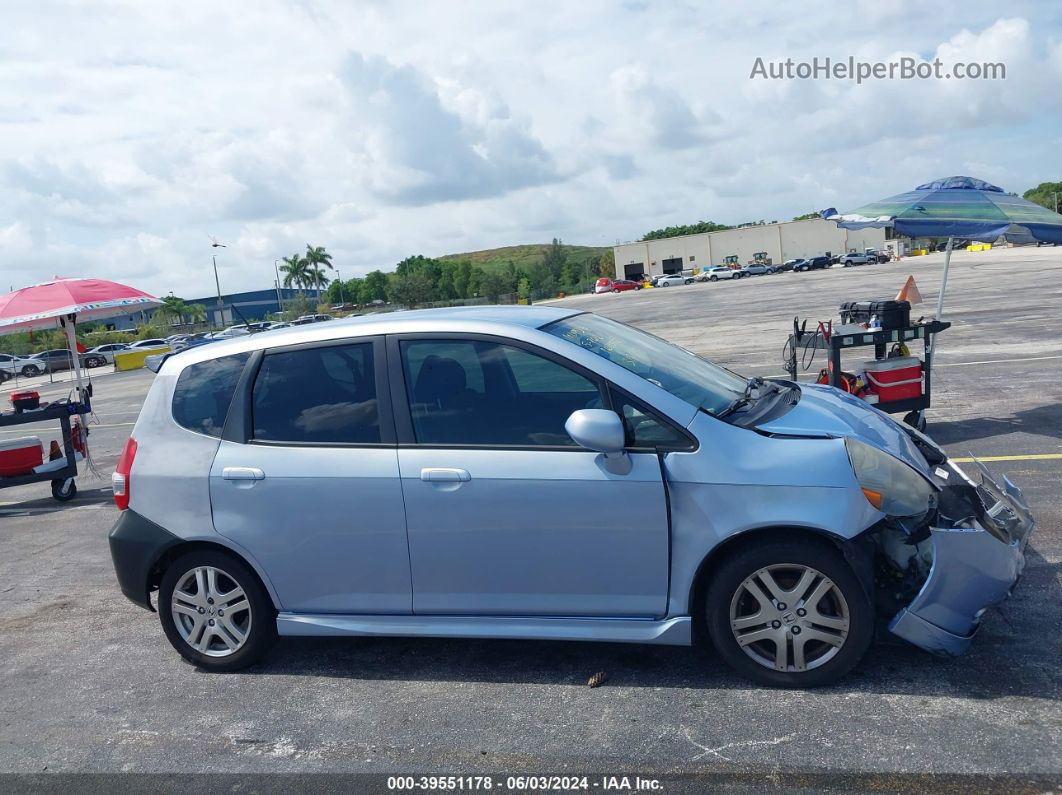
x=396, y=127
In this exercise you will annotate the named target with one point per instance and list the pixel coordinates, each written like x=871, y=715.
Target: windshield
x=685, y=375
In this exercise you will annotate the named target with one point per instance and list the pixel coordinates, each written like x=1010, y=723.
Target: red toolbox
x=26, y=401
x=20, y=456
x=892, y=379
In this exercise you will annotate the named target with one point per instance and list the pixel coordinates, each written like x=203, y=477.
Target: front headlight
x=889, y=484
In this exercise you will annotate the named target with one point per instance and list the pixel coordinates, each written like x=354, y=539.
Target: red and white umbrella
x=63, y=301
x=41, y=305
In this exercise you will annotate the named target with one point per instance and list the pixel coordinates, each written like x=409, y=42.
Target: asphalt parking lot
x=90, y=684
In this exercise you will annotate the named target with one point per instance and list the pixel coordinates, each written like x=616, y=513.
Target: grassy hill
x=521, y=256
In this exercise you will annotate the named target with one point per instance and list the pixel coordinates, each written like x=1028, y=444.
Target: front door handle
x=242, y=473
x=444, y=475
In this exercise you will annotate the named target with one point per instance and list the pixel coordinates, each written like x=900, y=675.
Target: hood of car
x=826, y=412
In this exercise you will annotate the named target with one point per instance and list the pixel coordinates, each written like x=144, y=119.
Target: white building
x=776, y=242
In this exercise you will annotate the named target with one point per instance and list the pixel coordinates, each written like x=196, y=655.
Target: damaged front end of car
x=937, y=573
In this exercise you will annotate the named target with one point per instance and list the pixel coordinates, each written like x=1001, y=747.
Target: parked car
x=671, y=279
x=192, y=341
x=789, y=265
x=603, y=285
x=59, y=359
x=27, y=366
x=623, y=285
x=140, y=345
x=755, y=269
x=854, y=258
x=497, y=497
x=814, y=263
x=715, y=274
x=107, y=351
x=301, y=321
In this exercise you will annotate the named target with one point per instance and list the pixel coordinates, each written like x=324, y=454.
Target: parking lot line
x=996, y=361
x=1033, y=457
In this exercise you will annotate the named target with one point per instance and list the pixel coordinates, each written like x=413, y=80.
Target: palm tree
x=173, y=309
x=316, y=256
x=196, y=313
x=296, y=271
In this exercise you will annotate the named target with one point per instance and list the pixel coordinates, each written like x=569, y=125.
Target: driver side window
x=475, y=392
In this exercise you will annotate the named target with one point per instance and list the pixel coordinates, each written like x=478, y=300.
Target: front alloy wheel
x=215, y=612
x=789, y=617
x=789, y=612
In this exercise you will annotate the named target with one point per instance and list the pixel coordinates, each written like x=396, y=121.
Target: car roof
x=462, y=319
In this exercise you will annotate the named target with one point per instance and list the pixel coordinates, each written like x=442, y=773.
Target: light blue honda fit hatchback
x=530, y=472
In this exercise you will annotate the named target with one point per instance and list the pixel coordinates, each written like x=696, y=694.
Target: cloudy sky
x=131, y=131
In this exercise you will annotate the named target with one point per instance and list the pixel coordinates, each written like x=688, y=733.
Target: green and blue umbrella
x=956, y=207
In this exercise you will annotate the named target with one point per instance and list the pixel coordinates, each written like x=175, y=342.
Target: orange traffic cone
x=909, y=292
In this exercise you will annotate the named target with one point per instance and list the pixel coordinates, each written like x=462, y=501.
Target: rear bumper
x=972, y=570
x=137, y=544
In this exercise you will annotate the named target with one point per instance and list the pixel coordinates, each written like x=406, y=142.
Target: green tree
x=462, y=279
x=1046, y=194
x=444, y=287
x=318, y=259
x=411, y=289
x=495, y=284
x=687, y=229
x=374, y=287
x=806, y=216
x=523, y=288
x=172, y=310
x=296, y=271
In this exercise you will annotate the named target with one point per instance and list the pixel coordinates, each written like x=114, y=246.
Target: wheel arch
x=171, y=553
x=858, y=551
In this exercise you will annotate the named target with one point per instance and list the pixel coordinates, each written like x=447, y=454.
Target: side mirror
x=602, y=431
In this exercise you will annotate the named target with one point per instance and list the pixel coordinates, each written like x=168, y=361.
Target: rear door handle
x=444, y=475
x=242, y=473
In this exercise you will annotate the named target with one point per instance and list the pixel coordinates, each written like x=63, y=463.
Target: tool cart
x=894, y=384
x=23, y=460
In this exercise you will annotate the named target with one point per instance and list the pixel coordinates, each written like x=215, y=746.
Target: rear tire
x=823, y=600
x=208, y=583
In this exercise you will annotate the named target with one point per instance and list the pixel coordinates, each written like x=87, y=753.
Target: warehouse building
x=766, y=242
x=252, y=305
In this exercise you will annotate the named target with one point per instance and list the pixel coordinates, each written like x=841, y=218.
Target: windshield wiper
x=753, y=383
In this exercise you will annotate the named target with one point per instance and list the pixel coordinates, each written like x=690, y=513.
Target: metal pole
x=280, y=297
x=944, y=281
x=221, y=305
x=339, y=279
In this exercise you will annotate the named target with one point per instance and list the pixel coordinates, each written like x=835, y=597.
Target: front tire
x=215, y=612
x=789, y=613
x=30, y=370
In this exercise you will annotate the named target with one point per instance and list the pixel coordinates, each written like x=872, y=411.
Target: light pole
x=339, y=279
x=280, y=298
x=221, y=305
x=217, y=284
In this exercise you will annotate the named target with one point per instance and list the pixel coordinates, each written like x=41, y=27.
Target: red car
x=606, y=285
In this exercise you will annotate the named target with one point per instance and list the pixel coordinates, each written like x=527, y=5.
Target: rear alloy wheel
x=789, y=613
x=214, y=611
x=31, y=370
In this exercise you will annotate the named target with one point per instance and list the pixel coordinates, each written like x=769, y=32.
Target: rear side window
x=318, y=395
x=203, y=393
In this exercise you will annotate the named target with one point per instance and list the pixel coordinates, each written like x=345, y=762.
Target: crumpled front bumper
x=972, y=570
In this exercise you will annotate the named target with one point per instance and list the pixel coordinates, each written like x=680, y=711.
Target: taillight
x=120, y=479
